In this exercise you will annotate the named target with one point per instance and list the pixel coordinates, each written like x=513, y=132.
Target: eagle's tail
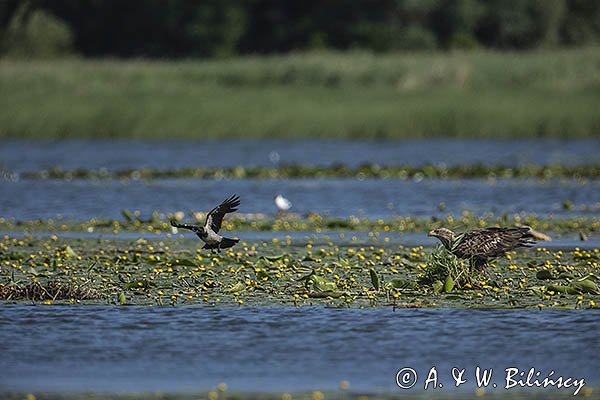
x=527, y=238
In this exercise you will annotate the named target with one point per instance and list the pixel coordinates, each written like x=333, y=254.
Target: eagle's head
x=445, y=235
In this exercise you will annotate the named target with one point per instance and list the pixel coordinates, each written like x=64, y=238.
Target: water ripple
x=278, y=348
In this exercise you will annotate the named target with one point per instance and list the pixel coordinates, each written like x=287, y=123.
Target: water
x=115, y=349
x=374, y=198
x=81, y=200
x=123, y=154
x=300, y=238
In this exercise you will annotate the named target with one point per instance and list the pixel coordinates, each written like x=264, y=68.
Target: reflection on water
x=280, y=348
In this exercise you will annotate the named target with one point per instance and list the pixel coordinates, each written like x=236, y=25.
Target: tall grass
x=335, y=95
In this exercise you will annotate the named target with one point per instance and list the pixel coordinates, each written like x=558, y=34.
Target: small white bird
x=282, y=203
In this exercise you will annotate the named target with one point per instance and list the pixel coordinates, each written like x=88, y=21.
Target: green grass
x=337, y=95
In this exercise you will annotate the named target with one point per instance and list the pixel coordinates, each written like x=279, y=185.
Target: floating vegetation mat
x=158, y=223
x=291, y=171
x=49, y=290
x=176, y=272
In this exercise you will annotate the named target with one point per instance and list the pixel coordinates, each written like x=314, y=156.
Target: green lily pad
x=238, y=287
x=70, y=251
x=562, y=289
x=397, y=283
x=274, y=258
x=585, y=286
x=326, y=293
x=544, y=274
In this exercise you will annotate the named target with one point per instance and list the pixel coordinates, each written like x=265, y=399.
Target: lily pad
x=326, y=293
x=544, y=274
x=585, y=286
x=397, y=283
x=562, y=289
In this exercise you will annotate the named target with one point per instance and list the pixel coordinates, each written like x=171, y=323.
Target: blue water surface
x=25, y=199
x=183, y=349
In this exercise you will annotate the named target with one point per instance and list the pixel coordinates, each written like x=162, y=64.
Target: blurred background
x=96, y=86
x=383, y=69
x=209, y=29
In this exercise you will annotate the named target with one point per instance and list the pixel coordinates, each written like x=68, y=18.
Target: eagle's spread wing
x=492, y=242
x=215, y=216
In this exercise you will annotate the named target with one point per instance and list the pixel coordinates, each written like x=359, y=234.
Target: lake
x=26, y=199
x=194, y=348
x=185, y=349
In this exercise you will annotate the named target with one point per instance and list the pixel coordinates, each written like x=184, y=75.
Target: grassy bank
x=481, y=94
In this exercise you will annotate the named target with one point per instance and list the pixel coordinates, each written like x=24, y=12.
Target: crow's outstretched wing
x=215, y=216
x=492, y=242
x=192, y=228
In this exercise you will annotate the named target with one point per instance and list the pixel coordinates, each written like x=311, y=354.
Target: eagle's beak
x=431, y=233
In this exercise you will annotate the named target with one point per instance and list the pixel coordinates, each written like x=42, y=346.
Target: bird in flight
x=479, y=245
x=282, y=203
x=209, y=233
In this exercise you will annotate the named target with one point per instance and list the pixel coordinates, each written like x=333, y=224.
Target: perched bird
x=482, y=244
x=209, y=232
x=282, y=203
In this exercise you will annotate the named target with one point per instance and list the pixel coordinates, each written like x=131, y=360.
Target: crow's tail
x=227, y=243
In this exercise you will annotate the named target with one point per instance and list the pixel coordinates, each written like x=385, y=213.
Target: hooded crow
x=209, y=233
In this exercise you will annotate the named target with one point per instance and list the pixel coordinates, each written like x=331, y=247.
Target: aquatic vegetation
x=298, y=171
x=159, y=223
x=50, y=290
x=445, y=271
x=176, y=272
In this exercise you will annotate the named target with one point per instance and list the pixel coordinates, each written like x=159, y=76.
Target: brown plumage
x=482, y=244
